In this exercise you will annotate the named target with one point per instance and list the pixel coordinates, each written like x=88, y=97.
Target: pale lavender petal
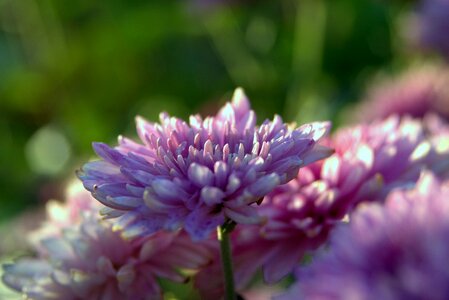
x=200, y=175
x=264, y=185
x=212, y=195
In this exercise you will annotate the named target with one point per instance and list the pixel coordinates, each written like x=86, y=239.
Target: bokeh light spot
x=47, y=151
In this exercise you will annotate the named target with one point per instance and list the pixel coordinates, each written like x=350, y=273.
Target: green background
x=73, y=72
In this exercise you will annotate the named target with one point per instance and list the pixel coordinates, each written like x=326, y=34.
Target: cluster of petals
x=417, y=92
x=86, y=259
x=399, y=250
x=197, y=175
x=369, y=161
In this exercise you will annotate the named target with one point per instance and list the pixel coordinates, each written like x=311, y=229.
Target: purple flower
x=416, y=93
x=198, y=174
x=433, y=23
x=84, y=258
x=396, y=251
x=369, y=161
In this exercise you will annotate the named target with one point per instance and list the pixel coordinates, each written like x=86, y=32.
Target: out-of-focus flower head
x=396, y=251
x=369, y=161
x=198, y=174
x=65, y=214
x=431, y=26
x=416, y=93
x=84, y=258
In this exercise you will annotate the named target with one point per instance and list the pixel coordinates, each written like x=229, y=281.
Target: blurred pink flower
x=80, y=256
x=65, y=214
x=396, y=251
x=417, y=92
x=369, y=161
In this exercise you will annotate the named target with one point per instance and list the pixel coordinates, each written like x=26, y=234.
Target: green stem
x=226, y=260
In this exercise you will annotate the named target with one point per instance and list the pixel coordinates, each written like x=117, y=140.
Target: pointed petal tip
x=99, y=147
x=321, y=129
x=318, y=152
x=139, y=119
x=238, y=92
x=97, y=144
x=239, y=99
x=141, y=122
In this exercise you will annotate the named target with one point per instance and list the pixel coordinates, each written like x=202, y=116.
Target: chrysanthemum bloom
x=432, y=24
x=89, y=260
x=417, y=92
x=397, y=251
x=368, y=162
x=197, y=175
